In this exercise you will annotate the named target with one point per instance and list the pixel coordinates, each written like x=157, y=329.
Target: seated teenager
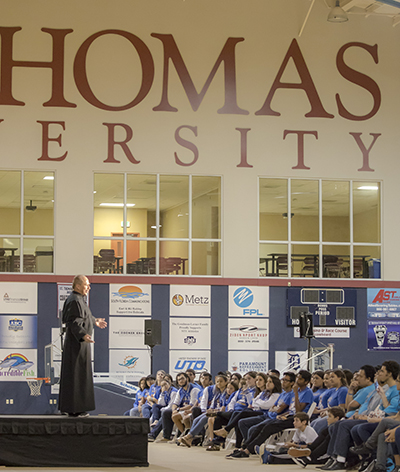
x=240, y=401
x=378, y=403
x=219, y=400
x=338, y=381
x=185, y=398
x=142, y=393
x=317, y=385
x=267, y=393
x=318, y=448
x=302, y=400
x=165, y=400
x=152, y=397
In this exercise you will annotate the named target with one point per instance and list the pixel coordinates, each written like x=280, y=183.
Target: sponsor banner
x=17, y=365
x=290, y=360
x=383, y=303
x=18, y=332
x=326, y=332
x=246, y=336
x=130, y=299
x=190, y=333
x=190, y=300
x=63, y=292
x=249, y=302
x=126, y=333
x=244, y=361
x=18, y=297
x=132, y=363
x=384, y=335
x=182, y=360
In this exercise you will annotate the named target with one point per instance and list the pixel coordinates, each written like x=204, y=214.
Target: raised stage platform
x=60, y=441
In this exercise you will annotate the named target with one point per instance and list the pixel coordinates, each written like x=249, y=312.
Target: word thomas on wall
x=52, y=131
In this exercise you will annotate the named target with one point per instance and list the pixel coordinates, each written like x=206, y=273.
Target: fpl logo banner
x=383, y=303
x=130, y=299
x=249, y=302
x=190, y=300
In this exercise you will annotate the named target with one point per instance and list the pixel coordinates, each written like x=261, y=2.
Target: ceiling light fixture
x=337, y=14
x=368, y=187
x=48, y=177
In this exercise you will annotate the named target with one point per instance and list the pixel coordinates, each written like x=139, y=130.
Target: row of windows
x=319, y=228
x=171, y=224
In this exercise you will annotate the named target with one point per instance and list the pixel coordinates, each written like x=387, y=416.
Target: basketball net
x=35, y=386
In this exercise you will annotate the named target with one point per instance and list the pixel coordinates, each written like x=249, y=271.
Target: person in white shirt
x=304, y=434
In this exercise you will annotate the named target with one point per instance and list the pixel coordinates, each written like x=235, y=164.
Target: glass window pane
x=142, y=194
x=304, y=206
x=108, y=256
x=273, y=260
x=305, y=260
x=141, y=257
x=367, y=262
x=336, y=261
x=9, y=255
x=205, y=258
x=10, y=202
x=366, y=212
x=38, y=255
x=335, y=211
x=108, y=204
x=273, y=209
x=174, y=206
x=174, y=257
x=39, y=203
x=206, y=207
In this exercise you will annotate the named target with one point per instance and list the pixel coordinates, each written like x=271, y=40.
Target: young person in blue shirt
x=338, y=381
x=317, y=384
x=166, y=398
x=383, y=399
x=240, y=401
x=267, y=393
x=184, y=400
x=219, y=400
x=137, y=404
x=153, y=396
x=301, y=401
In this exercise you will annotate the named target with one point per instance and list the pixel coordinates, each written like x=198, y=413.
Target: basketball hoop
x=35, y=384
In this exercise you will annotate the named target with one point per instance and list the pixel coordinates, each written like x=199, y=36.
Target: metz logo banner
x=190, y=300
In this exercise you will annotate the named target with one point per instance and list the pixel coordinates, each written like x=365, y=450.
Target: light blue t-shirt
x=361, y=397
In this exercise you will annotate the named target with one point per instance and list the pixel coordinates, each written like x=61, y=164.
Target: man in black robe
x=76, y=382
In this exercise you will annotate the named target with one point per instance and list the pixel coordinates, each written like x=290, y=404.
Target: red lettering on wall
x=243, y=147
x=359, y=79
x=56, y=65
x=82, y=81
x=306, y=84
x=186, y=144
x=124, y=146
x=227, y=56
x=364, y=150
x=300, y=146
x=46, y=140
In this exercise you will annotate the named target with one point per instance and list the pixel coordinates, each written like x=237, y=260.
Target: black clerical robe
x=76, y=382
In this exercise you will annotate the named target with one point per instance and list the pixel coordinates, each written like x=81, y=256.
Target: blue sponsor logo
x=243, y=297
x=15, y=325
x=183, y=364
x=130, y=362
